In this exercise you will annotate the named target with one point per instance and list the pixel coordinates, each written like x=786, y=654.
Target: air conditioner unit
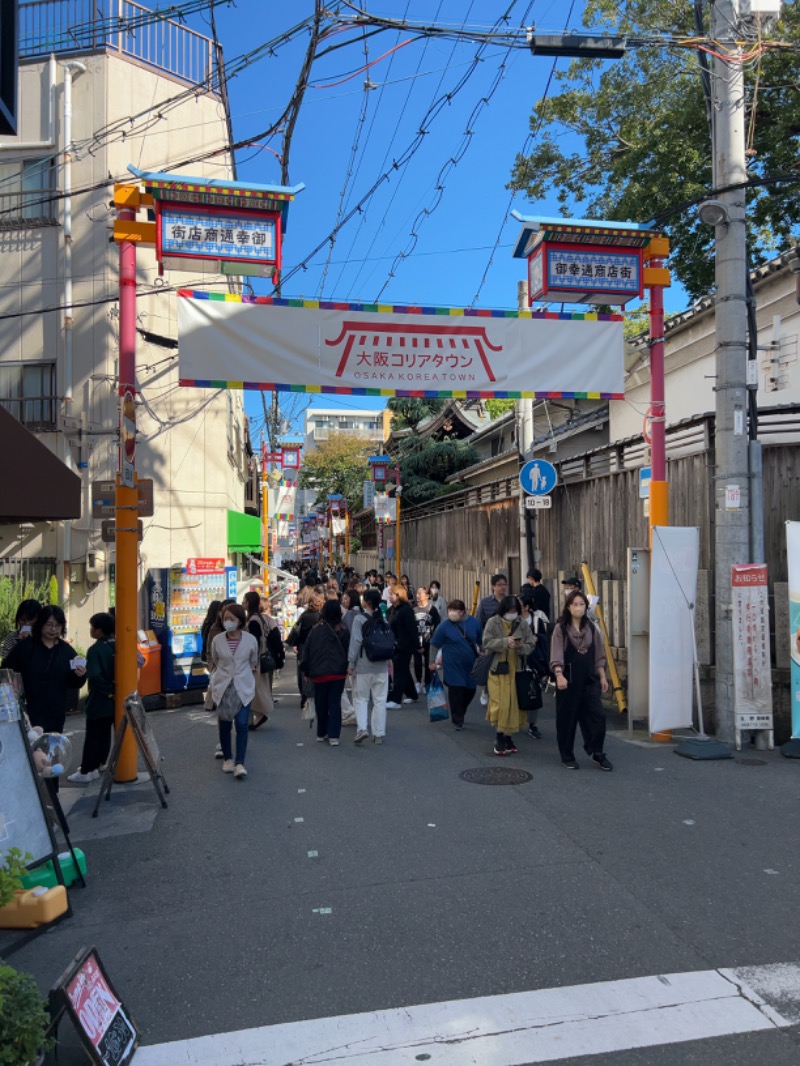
x=770, y=8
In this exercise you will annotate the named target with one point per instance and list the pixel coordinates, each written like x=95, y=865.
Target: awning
x=244, y=532
x=37, y=486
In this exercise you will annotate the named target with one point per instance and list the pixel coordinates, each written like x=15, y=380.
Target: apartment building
x=321, y=423
x=97, y=94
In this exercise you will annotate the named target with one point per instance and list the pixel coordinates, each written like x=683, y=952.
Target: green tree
x=338, y=465
x=13, y=590
x=644, y=141
x=496, y=408
x=425, y=471
x=409, y=410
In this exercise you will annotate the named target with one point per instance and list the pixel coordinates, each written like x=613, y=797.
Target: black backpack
x=377, y=639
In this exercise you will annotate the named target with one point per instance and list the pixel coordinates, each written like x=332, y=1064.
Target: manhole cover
x=495, y=775
x=752, y=762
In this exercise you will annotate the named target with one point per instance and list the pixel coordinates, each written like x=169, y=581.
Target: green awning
x=244, y=532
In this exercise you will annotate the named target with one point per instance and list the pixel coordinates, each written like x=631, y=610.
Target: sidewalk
x=335, y=881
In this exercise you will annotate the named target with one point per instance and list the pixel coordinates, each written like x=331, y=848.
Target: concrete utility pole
x=524, y=420
x=731, y=482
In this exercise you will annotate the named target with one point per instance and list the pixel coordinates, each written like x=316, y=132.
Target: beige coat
x=238, y=668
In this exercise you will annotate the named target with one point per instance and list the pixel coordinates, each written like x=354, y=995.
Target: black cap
x=576, y=581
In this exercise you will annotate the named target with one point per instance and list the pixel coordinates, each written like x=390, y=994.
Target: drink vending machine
x=178, y=601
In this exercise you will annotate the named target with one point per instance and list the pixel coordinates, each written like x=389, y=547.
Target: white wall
x=183, y=433
x=690, y=363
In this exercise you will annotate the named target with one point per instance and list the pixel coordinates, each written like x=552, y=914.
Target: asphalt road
x=341, y=880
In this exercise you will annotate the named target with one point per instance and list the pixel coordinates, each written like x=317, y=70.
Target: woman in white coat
x=234, y=653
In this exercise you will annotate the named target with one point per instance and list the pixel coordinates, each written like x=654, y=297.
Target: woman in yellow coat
x=510, y=637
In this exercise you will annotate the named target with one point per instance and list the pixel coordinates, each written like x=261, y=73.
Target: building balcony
x=78, y=27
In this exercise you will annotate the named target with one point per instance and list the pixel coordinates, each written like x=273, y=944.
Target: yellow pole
x=616, y=684
x=126, y=503
x=475, y=594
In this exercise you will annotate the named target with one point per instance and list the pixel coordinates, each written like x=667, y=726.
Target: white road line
x=523, y=1027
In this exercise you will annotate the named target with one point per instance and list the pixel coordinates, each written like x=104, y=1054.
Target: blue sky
x=451, y=193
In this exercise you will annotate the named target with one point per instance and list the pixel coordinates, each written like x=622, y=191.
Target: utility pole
x=524, y=420
x=731, y=476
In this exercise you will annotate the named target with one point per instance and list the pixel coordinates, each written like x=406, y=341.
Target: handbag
x=501, y=669
x=529, y=690
x=266, y=662
x=230, y=704
x=480, y=668
x=437, y=700
x=309, y=711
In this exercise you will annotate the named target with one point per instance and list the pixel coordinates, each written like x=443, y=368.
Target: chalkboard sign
x=23, y=820
x=85, y=993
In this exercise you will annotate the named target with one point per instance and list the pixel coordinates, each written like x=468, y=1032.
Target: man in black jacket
x=534, y=595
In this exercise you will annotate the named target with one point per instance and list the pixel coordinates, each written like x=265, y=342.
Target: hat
x=576, y=581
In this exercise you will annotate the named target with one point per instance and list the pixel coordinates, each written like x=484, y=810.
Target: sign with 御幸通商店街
x=231, y=235
x=575, y=272
x=295, y=345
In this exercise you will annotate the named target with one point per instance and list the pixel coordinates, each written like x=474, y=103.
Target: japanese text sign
x=199, y=234
x=386, y=351
x=577, y=272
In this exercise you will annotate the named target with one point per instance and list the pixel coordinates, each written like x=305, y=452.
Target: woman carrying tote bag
x=512, y=641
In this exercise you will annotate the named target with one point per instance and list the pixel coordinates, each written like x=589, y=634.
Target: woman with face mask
x=510, y=638
x=578, y=661
x=458, y=638
x=234, y=654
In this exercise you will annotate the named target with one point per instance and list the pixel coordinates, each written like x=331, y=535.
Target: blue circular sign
x=538, y=477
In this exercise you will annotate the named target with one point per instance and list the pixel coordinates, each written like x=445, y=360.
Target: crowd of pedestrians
x=362, y=647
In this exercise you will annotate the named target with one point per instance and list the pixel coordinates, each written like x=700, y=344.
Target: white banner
x=261, y=342
x=752, y=673
x=338, y=525
x=385, y=508
x=673, y=586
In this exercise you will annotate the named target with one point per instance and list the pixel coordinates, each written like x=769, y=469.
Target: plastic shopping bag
x=437, y=700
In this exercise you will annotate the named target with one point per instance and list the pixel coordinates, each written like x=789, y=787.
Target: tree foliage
x=496, y=408
x=409, y=410
x=425, y=471
x=337, y=465
x=644, y=141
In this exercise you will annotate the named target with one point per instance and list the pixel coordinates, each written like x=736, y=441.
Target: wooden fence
x=597, y=514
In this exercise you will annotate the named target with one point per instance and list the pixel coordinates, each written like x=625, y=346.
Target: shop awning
x=244, y=532
x=37, y=486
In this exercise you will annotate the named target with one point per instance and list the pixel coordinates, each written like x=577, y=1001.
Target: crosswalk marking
x=546, y=1025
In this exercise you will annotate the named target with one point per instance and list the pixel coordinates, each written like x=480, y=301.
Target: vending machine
x=178, y=601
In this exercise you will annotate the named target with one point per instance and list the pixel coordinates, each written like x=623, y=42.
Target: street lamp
x=713, y=213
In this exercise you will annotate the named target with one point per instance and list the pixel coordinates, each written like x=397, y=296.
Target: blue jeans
x=242, y=721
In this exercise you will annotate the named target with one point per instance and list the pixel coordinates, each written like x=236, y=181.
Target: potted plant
x=23, y=1019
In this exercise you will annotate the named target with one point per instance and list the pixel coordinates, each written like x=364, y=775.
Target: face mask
x=512, y=616
x=230, y=624
x=454, y=616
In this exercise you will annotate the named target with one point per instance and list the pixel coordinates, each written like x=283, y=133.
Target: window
x=26, y=194
x=28, y=392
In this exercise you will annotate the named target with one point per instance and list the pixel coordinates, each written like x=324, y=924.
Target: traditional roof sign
x=582, y=260
x=373, y=350
x=218, y=227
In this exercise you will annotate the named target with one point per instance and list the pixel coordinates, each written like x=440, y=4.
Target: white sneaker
x=350, y=719
x=218, y=752
x=420, y=687
x=333, y=742
x=83, y=779
x=407, y=699
x=392, y=706
x=377, y=740
x=361, y=735
x=240, y=771
x=484, y=698
x=227, y=766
